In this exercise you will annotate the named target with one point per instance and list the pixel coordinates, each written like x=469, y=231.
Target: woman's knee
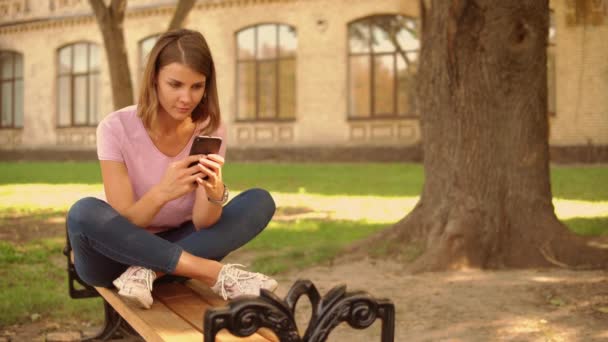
x=83, y=213
x=264, y=203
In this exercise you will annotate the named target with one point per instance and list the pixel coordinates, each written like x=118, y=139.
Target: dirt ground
x=511, y=305
x=520, y=305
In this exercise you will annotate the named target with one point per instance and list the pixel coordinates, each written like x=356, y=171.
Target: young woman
x=162, y=216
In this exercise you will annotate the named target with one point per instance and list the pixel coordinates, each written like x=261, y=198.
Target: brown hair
x=187, y=47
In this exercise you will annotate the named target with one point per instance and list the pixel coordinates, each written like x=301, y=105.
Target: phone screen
x=203, y=144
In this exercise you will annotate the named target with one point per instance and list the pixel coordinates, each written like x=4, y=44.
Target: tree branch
x=181, y=12
x=100, y=9
x=118, y=9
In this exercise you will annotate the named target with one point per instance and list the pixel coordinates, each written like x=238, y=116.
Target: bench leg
x=114, y=326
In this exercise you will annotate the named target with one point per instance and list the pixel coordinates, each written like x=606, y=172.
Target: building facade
x=291, y=73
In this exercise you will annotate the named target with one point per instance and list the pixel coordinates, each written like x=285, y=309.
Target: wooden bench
x=190, y=311
x=176, y=314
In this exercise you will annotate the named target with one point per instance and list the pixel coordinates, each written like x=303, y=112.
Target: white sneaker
x=233, y=282
x=135, y=285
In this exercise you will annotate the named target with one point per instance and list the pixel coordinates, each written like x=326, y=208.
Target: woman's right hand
x=179, y=179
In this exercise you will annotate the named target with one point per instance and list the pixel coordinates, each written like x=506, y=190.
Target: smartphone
x=204, y=144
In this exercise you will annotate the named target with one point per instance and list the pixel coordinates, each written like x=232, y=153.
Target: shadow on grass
x=588, y=226
x=295, y=245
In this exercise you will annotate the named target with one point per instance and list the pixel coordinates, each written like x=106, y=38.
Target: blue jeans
x=106, y=243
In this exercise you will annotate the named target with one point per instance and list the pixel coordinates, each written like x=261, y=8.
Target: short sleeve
x=108, y=140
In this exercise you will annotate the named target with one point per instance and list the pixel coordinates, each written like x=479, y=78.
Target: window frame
x=257, y=61
x=368, y=21
x=90, y=121
x=141, y=64
x=13, y=81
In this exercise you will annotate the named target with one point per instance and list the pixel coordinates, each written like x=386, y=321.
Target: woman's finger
x=216, y=158
x=206, y=171
x=210, y=164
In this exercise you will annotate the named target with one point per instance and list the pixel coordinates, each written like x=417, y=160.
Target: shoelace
x=231, y=272
x=142, y=275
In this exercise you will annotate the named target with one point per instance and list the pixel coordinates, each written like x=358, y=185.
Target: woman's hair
x=189, y=48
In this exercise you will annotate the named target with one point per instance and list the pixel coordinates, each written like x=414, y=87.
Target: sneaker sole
x=135, y=300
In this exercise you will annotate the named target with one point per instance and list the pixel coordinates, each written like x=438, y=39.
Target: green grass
x=299, y=244
x=33, y=281
x=49, y=172
x=33, y=275
x=588, y=226
x=387, y=179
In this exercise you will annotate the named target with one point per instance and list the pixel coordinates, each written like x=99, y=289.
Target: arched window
x=266, y=73
x=382, y=64
x=145, y=46
x=78, y=85
x=11, y=89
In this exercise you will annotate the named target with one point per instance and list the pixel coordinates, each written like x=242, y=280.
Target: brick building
x=291, y=73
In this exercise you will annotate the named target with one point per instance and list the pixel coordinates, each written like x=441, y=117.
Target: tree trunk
x=181, y=12
x=110, y=20
x=482, y=96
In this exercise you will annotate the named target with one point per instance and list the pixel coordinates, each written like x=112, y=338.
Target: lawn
x=321, y=209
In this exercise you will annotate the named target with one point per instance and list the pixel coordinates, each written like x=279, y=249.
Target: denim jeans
x=106, y=243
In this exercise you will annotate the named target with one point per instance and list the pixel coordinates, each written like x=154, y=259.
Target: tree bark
x=181, y=12
x=482, y=95
x=110, y=20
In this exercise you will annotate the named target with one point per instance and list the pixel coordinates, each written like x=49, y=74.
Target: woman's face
x=179, y=89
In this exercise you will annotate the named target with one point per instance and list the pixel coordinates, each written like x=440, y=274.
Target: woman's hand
x=179, y=179
x=211, y=166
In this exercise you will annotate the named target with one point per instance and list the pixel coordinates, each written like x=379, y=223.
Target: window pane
x=80, y=58
x=93, y=96
x=7, y=104
x=6, y=60
x=64, y=101
x=19, y=103
x=80, y=100
x=94, y=57
x=552, y=29
x=65, y=60
x=551, y=89
x=380, y=40
x=288, y=41
x=359, y=37
x=267, y=90
x=384, y=85
x=145, y=47
x=246, y=43
x=246, y=91
x=405, y=88
x=408, y=36
x=360, y=86
x=287, y=92
x=267, y=41
x=18, y=66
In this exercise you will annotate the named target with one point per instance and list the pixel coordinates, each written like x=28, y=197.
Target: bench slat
x=191, y=306
x=168, y=326
x=216, y=301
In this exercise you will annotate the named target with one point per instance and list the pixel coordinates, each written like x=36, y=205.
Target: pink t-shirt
x=122, y=137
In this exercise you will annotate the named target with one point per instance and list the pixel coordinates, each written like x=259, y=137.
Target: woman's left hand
x=211, y=166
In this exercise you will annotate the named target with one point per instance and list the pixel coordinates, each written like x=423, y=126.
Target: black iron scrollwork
x=244, y=316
